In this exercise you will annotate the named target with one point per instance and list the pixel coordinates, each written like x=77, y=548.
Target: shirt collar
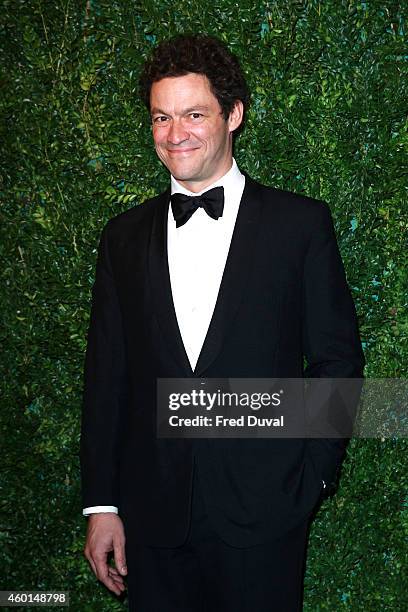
x=229, y=181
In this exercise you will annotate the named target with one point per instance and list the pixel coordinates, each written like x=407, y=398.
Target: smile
x=177, y=151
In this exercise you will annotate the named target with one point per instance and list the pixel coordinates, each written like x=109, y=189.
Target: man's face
x=190, y=134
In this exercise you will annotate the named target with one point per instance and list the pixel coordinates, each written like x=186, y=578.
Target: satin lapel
x=235, y=274
x=161, y=287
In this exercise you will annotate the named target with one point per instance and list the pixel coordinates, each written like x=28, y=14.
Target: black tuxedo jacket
x=283, y=297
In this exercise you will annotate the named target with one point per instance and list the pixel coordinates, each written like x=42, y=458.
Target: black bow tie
x=184, y=206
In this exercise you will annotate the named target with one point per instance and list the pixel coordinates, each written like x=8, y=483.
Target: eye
x=196, y=116
x=160, y=119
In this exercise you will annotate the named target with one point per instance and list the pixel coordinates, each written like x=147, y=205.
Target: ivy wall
x=328, y=119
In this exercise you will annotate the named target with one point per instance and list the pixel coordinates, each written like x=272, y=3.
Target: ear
x=236, y=115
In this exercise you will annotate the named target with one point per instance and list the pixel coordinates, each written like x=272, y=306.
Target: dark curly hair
x=200, y=54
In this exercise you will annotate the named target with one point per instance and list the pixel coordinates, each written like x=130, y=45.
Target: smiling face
x=191, y=136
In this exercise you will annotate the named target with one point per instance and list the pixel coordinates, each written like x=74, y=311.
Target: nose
x=177, y=133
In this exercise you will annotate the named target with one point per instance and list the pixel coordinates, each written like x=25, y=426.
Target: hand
x=105, y=534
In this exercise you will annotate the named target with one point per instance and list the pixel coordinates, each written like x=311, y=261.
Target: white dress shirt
x=197, y=253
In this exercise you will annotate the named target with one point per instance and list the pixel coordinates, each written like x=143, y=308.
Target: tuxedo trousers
x=207, y=575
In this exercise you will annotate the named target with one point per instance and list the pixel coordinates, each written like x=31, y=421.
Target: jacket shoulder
x=137, y=212
x=292, y=204
x=135, y=218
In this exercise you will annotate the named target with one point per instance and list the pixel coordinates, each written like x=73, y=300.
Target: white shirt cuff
x=97, y=509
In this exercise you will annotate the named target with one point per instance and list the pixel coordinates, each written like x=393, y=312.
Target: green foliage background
x=328, y=119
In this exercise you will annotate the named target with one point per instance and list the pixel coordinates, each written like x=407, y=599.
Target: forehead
x=179, y=93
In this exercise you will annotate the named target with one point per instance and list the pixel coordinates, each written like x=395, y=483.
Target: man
x=245, y=281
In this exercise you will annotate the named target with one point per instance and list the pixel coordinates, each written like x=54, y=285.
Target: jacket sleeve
x=331, y=342
x=105, y=387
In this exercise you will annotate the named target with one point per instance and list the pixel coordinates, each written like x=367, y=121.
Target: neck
x=197, y=186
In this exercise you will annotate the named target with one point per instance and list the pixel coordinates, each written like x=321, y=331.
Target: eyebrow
x=154, y=111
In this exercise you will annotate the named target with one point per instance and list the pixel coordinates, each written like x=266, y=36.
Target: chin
x=184, y=174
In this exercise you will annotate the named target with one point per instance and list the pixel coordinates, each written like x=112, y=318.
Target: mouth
x=180, y=151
